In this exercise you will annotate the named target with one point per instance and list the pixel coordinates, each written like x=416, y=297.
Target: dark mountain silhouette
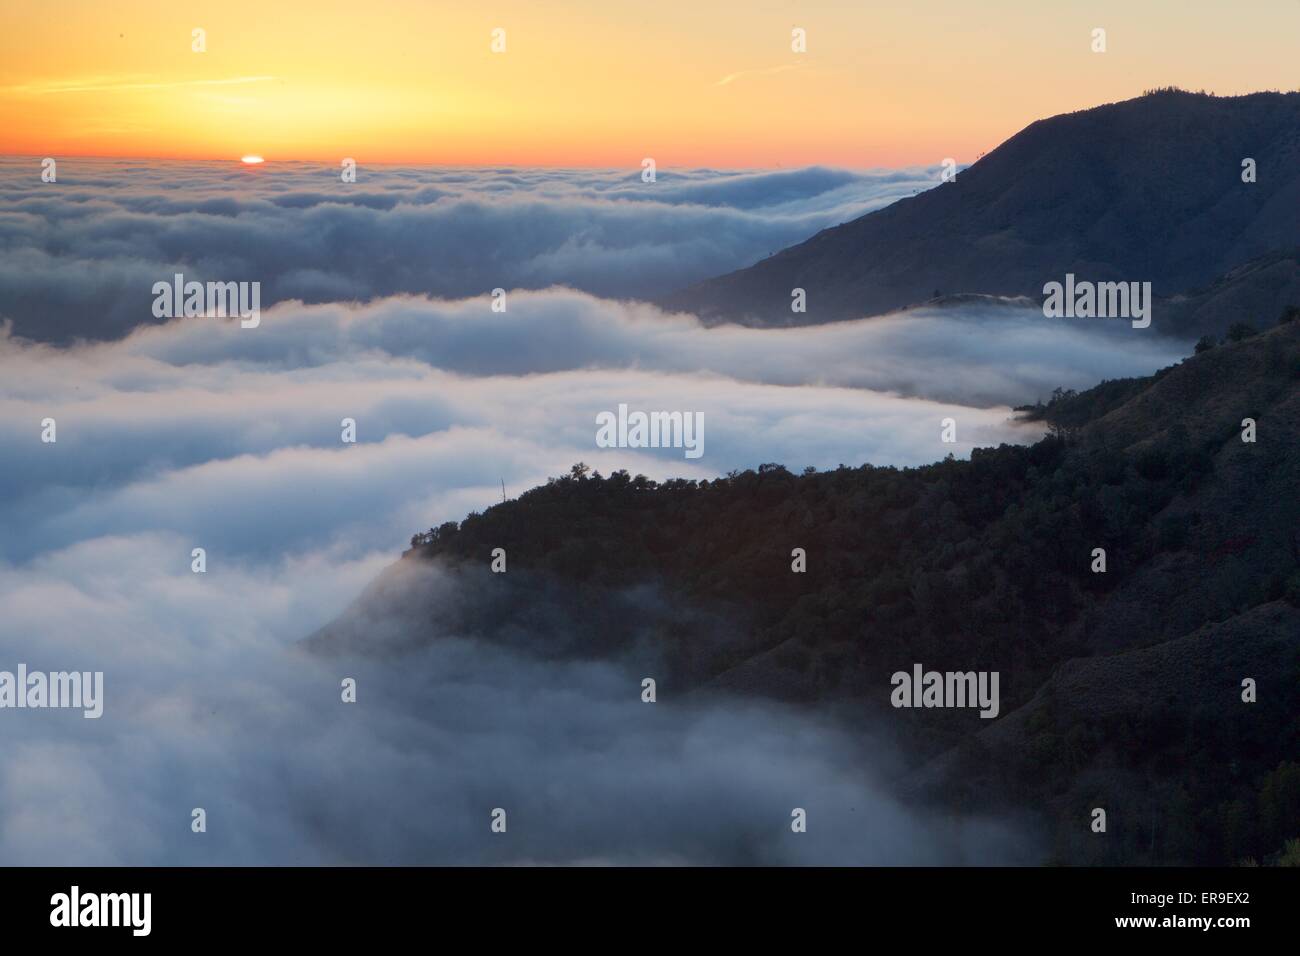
x=1255, y=293
x=1119, y=689
x=1149, y=189
x=1152, y=736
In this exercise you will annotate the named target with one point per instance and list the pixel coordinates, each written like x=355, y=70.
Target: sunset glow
x=581, y=84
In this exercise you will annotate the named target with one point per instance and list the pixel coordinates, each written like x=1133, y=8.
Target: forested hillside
x=1124, y=688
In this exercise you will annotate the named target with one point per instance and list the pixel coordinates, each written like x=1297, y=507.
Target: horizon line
x=269, y=160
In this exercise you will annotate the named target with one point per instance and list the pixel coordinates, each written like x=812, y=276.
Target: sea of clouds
x=199, y=433
x=75, y=254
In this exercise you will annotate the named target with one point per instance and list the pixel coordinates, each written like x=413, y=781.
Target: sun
x=251, y=160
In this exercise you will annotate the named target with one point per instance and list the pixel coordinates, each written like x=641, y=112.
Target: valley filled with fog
x=377, y=307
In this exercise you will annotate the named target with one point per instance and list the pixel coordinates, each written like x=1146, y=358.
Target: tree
x=1290, y=854
x=1205, y=344
x=1240, y=331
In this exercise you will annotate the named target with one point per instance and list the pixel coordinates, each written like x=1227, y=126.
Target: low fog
x=199, y=434
x=209, y=703
x=78, y=256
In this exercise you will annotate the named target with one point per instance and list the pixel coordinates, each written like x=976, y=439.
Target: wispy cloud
x=101, y=84
x=768, y=71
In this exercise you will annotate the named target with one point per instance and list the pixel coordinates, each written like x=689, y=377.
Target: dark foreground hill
x=1149, y=189
x=1120, y=690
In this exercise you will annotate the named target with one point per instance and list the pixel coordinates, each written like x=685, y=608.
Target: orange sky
x=688, y=82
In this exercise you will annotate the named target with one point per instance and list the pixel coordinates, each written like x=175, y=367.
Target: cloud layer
x=215, y=431
x=197, y=433
x=79, y=256
x=205, y=707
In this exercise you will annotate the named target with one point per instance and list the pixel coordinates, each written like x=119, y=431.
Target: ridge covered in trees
x=985, y=564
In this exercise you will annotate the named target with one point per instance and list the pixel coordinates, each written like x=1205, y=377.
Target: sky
x=882, y=83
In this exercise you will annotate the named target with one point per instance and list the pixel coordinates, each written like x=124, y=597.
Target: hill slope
x=961, y=565
x=1257, y=293
x=1148, y=189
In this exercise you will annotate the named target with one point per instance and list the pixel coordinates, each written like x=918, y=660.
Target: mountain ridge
x=1147, y=189
x=979, y=565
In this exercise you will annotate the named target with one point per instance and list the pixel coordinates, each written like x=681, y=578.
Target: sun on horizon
x=694, y=85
